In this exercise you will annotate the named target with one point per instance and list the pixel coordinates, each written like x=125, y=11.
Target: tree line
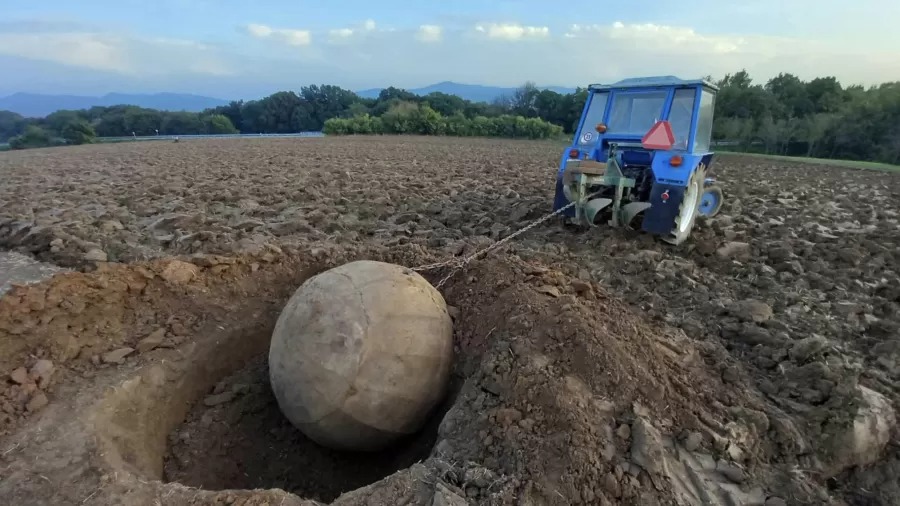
x=785, y=115
x=84, y=126
x=818, y=118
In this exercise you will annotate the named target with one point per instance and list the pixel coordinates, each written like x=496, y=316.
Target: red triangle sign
x=660, y=136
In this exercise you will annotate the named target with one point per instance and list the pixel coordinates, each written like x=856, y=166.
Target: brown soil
x=595, y=368
x=245, y=442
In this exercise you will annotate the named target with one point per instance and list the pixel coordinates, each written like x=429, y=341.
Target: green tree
x=446, y=105
x=549, y=106
x=826, y=94
x=218, y=124
x=232, y=111
x=325, y=102
x=428, y=121
x=181, y=123
x=523, y=100
x=11, y=124
x=410, y=118
x=791, y=95
x=393, y=93
x=278, y=112
x=401, y=118
x=33, y=137
x=78, y=131
x=357, y=108
x=140, y=121
x=59, y=120
x=110, y=122
x=817, y=126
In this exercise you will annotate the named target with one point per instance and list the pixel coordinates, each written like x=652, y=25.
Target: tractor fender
x=659, y=219
x=665, y=172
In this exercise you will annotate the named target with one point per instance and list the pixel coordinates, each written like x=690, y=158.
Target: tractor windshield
x=634, y=112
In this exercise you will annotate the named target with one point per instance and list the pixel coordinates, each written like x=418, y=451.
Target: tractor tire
x=689, y=208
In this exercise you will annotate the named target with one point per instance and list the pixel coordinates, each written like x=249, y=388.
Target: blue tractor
x=641, y=152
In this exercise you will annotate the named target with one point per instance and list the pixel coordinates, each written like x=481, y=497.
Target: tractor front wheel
x=689, y=208
x=711, y=201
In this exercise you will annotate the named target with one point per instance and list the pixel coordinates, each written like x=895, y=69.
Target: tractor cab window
x=633, y=113
x=588, y=133
x=704, y=122
x=680, y=116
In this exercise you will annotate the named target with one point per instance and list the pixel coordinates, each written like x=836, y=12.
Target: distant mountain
x=34, y=105
x=472, y=92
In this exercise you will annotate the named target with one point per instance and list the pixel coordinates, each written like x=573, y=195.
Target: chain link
x=458, y=264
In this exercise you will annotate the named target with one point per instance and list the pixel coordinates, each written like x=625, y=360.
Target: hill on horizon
x=37, y=105
x=471, y=92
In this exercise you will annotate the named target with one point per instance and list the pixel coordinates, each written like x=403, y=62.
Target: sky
x=242, y=49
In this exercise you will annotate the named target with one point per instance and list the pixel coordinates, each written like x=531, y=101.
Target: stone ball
x=361, y=355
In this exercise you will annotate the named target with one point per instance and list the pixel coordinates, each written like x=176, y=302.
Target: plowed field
x=758, y=363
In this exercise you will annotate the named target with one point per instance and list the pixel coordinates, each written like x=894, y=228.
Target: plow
x=641, y=158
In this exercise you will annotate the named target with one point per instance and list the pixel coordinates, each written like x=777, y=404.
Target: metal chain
x=460, y=263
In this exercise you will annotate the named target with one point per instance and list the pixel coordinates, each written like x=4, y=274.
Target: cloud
x=87, y=50
x=485, y=56
x=343, y=35
x=430, y=33
x=578, y=30
x=117, y=53
x=367, y=54
x=659, y=36
x=259, y=31
x=512, y=31
x=288, y=36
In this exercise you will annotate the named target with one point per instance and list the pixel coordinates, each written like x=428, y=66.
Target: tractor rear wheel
x=688, y=209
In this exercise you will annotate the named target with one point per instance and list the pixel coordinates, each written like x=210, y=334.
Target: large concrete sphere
x=361, y=354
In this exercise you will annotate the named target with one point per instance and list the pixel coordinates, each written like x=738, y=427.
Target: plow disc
x=593, y=208
x=626, y=214
x=632, y=209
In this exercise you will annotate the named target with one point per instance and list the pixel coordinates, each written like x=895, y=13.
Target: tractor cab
x=639, y=149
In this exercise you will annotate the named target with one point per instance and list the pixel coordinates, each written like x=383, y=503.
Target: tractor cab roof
x=653, y=82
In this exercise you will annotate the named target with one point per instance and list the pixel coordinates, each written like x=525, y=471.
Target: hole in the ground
x=237, y=438
x=157, y=425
